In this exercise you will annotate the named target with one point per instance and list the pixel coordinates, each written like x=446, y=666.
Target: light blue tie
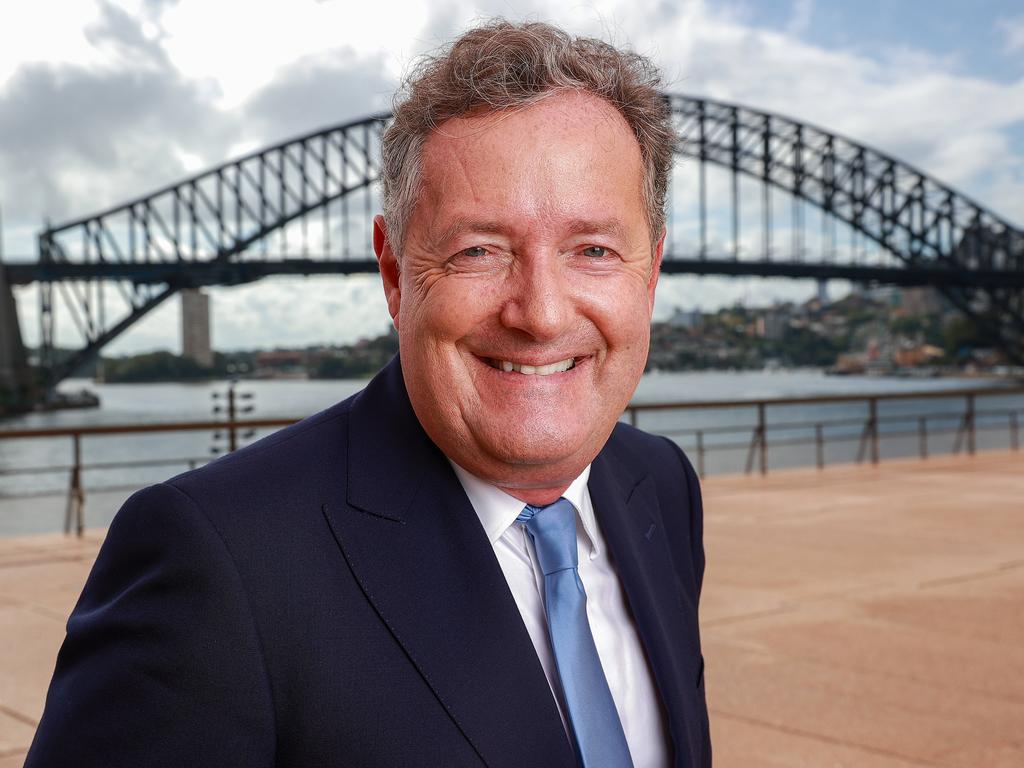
x=597, y=732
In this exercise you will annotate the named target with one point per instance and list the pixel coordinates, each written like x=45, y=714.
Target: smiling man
x=471, y=562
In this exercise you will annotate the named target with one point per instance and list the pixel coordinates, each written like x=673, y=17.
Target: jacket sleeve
x=161, y=664
x=695, y=506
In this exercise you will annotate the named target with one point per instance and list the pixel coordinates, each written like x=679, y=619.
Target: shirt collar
x=498, y=510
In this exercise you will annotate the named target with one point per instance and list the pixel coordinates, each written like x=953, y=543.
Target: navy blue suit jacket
x=328, y=597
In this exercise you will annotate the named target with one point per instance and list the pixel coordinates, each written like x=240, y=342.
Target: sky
x=101, y=102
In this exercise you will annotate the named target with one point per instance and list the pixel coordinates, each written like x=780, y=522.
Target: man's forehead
x=567, y=115
x=570, y=155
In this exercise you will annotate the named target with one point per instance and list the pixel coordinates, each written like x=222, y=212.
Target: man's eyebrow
x=471, y=225
x=462, y=225
x=613, y=227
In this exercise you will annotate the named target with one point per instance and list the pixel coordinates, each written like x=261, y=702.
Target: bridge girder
x=206, y=229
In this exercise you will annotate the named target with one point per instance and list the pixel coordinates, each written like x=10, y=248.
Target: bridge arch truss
x=304, y=206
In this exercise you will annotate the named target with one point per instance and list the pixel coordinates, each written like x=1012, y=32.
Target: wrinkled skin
x=529, y=244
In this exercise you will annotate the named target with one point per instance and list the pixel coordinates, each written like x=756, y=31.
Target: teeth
x=534, y=370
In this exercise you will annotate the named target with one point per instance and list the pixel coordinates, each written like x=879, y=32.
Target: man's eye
x=595, y=251
x=475, y=251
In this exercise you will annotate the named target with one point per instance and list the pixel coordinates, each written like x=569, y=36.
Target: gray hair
x=500, y=65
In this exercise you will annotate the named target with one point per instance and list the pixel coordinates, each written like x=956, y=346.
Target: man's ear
x=389, y=269
x=656, y=256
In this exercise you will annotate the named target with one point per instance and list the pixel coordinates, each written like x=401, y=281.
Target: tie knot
x=553, y=530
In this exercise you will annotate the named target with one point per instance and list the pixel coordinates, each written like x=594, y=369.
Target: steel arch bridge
x=304, y=207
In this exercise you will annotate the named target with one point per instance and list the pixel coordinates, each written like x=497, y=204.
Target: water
x=724, y=433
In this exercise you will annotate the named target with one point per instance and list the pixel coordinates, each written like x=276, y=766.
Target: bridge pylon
x=16, y=377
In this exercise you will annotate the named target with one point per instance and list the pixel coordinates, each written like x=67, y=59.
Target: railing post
x=764, y=438
x=74, y=510
x=232, y=429
x=870, y=433
x=632, y=415
x=874, y=430
x=922, y=436
x=969, y=419
x=700, y=453
x=758, y=442
x=819, y=445
x=1014, y=437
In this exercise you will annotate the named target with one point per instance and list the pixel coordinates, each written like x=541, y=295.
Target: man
x=471, y=562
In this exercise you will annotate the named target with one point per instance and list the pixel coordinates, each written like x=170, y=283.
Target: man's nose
x=540, y=298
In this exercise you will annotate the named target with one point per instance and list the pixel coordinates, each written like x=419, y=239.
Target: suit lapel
x=416, y=546
x=627, y=509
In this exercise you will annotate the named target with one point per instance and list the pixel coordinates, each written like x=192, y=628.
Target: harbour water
x=724, y=433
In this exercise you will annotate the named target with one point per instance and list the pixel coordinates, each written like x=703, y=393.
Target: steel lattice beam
x=209, y=229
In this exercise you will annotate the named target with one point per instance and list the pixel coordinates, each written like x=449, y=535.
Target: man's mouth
x=561, y=366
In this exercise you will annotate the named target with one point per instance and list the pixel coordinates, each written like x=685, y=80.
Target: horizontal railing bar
x=824, y=424
x=107, y=429
x=145, y=462
x=116, y=429
x=102, y=429
x=850, y=438
x=105, y=465
x=809, y=400
x=810, y=426
x=64, y=492
x=34, y=494
x=35, y=470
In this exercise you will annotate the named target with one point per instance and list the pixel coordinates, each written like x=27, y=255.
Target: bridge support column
x=16, y=380
x=195, y=326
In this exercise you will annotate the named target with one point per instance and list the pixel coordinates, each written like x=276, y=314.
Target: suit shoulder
x=288, y=463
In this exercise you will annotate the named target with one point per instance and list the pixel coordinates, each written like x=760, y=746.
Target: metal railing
x=74, y=516
x=867, y=431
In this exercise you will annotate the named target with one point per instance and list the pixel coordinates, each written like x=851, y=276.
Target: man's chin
x=534, y=459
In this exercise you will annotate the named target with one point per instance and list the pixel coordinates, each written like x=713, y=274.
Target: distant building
x=773, y=323
x=890, y=295
x=923, y=300
x=195, y=327
x=912, y=355
x=682, y=318
x=822, y=293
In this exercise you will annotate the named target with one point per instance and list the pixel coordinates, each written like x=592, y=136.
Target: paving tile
x=50, y=585
x=31, y=641
x=872, y=710
x=987, y=607
x=15, y=734
x=1010, y=755
x=757, y=745
x=899, y=651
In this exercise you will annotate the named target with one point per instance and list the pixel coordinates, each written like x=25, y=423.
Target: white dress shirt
x=615, y=635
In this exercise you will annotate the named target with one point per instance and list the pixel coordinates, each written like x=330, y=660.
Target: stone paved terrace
x=870, y=617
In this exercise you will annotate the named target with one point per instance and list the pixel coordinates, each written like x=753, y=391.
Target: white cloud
x=31, y=34
x=243, y=49
x=1013, y=34
x=800, y=19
